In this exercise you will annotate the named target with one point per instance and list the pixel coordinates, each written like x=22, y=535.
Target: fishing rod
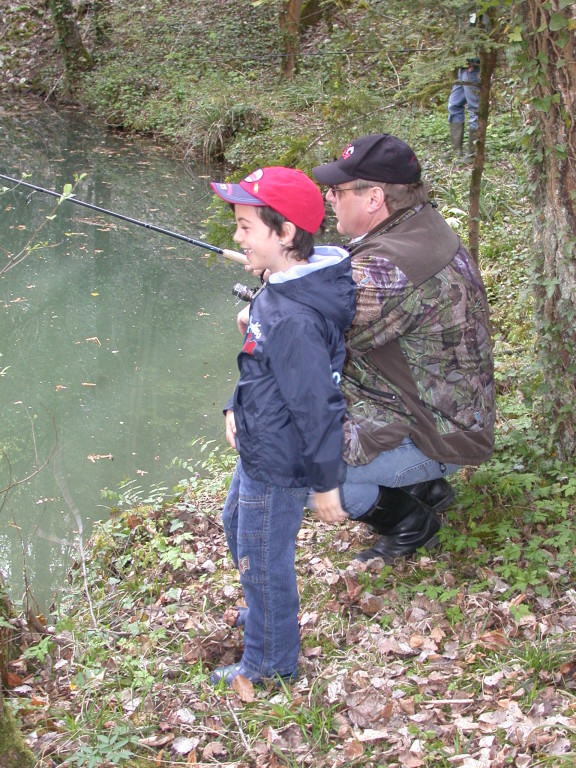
x=232, y=255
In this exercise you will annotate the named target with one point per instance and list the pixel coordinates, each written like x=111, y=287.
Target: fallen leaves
x=386, y=678
x=157, y=740
x=371, y=604
x=184, y=745
x=495, y=640
x=244, y=688
x=368, y=706
x=94, y=457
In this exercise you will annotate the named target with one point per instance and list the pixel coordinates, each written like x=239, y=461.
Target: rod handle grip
x=234, y=256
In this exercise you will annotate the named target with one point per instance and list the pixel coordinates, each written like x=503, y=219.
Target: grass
x=397, y=663
x=464, y=654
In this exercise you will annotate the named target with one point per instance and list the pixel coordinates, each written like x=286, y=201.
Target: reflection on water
x=119, y=344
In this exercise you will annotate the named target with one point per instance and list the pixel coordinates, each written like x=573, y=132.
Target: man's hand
x=328, y=507
x=231, y=429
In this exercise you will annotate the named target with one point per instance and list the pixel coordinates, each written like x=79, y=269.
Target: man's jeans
x=404, y=465
x=466, y=92
x=261, y=522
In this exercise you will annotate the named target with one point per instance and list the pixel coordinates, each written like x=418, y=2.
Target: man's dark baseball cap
x=379, y=157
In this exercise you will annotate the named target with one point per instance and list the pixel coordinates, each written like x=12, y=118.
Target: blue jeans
x=261, y=522
x=404, y=465
x=465, y=93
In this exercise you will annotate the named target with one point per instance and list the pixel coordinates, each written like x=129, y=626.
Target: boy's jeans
x=261, y=522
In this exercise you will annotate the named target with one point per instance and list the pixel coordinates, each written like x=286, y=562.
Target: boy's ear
x=288, y=232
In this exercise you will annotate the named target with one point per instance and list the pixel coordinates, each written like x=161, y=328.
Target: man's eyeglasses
x=335, y=190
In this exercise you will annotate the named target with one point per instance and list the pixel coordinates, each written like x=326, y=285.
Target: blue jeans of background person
x=465, y=93
x=261, y=522
x=404, y=465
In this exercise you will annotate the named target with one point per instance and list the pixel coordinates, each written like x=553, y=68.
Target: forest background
x=462, y=657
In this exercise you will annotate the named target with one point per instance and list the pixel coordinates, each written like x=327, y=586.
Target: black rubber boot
x=469, y=156
x=436, y=494
x=392, y=504
x=411, y=525
x=456, y=139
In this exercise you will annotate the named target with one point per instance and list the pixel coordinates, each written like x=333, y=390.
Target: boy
x=285, y=418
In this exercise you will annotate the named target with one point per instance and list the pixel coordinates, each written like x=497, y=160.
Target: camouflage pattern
x=419, y=350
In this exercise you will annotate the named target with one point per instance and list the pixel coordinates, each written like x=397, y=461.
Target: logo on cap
x=348, y=152
x=254, y=176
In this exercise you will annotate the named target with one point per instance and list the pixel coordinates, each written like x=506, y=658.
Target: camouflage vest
x=419, y=352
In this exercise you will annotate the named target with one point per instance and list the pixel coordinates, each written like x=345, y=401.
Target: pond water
x=118, y=344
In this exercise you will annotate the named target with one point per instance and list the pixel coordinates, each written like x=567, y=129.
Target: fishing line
x=239, y=258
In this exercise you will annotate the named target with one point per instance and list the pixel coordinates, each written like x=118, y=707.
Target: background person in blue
x=286, y=417
x=465, y=95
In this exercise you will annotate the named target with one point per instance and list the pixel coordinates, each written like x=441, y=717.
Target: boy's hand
x=328, y=507
x=231, y=429
x=261, y=273
x=243, y=319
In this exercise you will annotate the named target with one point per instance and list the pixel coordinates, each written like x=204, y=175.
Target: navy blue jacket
x=288, y=406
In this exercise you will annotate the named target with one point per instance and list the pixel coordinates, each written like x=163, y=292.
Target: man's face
x=351, y=207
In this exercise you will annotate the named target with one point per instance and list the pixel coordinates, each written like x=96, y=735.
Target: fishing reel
x=244, y=293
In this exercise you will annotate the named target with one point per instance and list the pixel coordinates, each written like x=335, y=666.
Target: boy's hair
x=303, y=242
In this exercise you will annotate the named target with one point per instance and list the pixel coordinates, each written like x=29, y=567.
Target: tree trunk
x=76, y=57
x=290, y=26
x=549, y=66
x=13, y=751
x=487, y=67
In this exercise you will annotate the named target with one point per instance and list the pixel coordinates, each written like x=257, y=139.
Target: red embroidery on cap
x=348, y=152
x=255, y=176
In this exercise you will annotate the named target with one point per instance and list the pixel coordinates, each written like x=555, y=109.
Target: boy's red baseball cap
x=288, y=191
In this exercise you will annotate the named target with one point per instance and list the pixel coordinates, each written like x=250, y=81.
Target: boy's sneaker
x=227, y=674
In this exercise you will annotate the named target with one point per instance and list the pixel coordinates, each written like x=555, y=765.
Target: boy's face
x=260, y=244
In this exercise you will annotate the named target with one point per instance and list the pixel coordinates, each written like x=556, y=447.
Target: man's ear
x=376, y=201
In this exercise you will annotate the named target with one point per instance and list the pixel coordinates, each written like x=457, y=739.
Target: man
x=418, y=379
x=465, y=93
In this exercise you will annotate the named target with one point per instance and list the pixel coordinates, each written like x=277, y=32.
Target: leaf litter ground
x=432, y=662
